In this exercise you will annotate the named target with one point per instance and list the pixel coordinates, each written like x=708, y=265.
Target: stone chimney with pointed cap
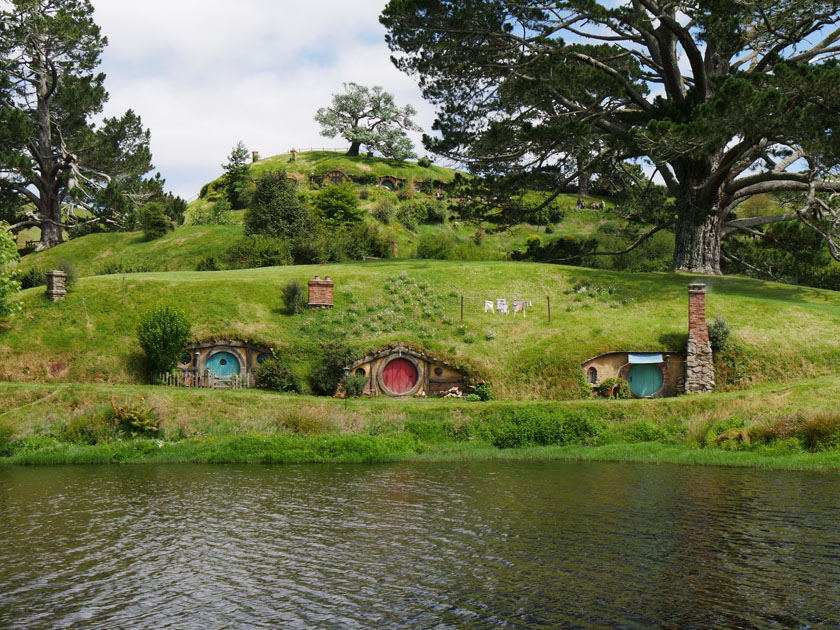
x=699, y=366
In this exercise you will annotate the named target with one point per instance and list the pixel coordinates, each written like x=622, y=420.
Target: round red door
x=400, y=376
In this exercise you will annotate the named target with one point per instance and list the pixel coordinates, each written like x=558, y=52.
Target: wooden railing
x=206, y=380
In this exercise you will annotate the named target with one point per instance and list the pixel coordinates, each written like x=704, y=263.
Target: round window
x=262, y=358
x=360, y=371
x=186, y=358
x=438, y=371
x=223, y=362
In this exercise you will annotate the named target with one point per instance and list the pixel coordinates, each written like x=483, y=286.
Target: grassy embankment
x=785, y=358
x=73, y=423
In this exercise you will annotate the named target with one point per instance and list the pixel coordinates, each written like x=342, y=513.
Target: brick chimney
x=255, y=156
x=321, y=293
x=56, y=285
x=699, y=367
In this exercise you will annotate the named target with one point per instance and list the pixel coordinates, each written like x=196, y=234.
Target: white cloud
x=204, y=75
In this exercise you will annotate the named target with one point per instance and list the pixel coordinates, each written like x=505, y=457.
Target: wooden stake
x=123, y=291
x=462, y=309
x=548, y=299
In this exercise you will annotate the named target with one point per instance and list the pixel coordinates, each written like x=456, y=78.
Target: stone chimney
x=255, y=156
x=56, y=285
x=699, y=367
x=321, y=293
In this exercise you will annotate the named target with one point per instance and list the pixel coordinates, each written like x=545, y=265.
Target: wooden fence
x=207, y=380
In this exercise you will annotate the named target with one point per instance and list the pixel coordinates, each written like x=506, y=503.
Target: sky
x=205, y=74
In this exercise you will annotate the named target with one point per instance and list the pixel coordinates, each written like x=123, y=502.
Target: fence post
x=548, y=299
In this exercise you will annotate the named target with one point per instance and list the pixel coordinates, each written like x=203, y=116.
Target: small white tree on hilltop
x=369, y=117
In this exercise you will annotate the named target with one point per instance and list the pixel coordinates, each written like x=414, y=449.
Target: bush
x=483, y=391
x=424, y=162
x=33, y=277
x=384, y=210
x=259, y=251
x=330, y=370
x=134, y=417
x=163, y=332
x=436, y=212
x=339, y=205
x=295, y=297
x=208, y=263
x=175, y=207
x=276, y=210
x=70, y=272
x=472, y=398
x=354, y=384
x=275, y=375
x=436, y=246
x=614, y=388
x=363, y=240
x=153, y=221
x=718, y=333
x=409, y=214
x=217, y=213
x=533, y=426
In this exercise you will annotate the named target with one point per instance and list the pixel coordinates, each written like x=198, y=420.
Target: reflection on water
x=471, y=545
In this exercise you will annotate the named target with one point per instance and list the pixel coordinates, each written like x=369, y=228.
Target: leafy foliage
x=162, y=332
x=275, y=374
x=276, y=210
x=354, y=384
x=9, y=285
x=369, y=117
x=135, y=418
x=153, y=221
x=236, y=177
x=295, y=297
x=616, y=388
x=338, y=205
x=718, y=333
x=330, y=370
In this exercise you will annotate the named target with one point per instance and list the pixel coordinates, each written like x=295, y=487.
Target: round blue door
x=645, y=379
x=223, y=364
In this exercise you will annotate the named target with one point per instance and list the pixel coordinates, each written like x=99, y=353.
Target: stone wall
x=699, y=365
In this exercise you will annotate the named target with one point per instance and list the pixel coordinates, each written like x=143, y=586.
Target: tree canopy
x=51, y=155
x=276, y=210
x=237, y=176
x=369, y=117
x=9, y=285
x=723, y=100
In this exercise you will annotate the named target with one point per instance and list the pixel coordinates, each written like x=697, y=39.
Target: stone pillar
x=255, y=156
x=321, y=293
x=396, y=246
x=699, y=367
x=56, y=285
x=293, y=155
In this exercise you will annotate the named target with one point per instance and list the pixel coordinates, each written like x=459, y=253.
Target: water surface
x=453, y=545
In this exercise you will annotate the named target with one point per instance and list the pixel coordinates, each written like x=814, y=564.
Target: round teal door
x=645, y=379
x=223, y=364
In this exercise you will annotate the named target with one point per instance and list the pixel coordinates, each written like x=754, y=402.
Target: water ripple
x=466, y=545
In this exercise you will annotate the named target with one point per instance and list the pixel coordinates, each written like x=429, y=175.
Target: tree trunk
x=583, y=179
x=354, y=149
x=697, y=240
x=51, y=233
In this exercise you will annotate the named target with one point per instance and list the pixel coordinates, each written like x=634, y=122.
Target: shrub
x=424, y=162
x=483, y=390
x=163, y=332
x=259, y=251
x=32, y=277
x=410, y=214
x=175, y=207
x=208, y=263
x=718, y=333
x=217, y=213
x=614, y=388
x=88, y=428
x=339, y=205
x=134, y=417
x=275, y=375
x=354, y=384
x=472, y=398
x=478, y=237
x=384, y=210
x=330, y=370
x=153, y=221
x=436, y=212
x=436, y=246
x=276, y=210
x=295, y=297
x=533, y=426
x=363, y=240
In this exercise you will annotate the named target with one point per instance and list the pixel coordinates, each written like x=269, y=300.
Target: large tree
x=724, y=99
x=50, y=153
x=369, y=117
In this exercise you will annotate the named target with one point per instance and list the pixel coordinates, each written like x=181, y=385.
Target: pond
x=443, y=545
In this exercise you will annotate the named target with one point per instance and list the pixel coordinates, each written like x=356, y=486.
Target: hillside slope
x=784, y=332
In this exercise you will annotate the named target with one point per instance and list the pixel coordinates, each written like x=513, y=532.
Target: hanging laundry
x=488, y=306
x=501, y=306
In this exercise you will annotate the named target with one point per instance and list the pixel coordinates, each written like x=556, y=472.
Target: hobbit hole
x=400, y=372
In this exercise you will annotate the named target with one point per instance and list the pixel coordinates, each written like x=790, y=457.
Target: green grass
x=786, y=332
x=44, y=424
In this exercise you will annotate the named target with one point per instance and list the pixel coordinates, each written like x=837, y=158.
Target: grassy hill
x=783, y=333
